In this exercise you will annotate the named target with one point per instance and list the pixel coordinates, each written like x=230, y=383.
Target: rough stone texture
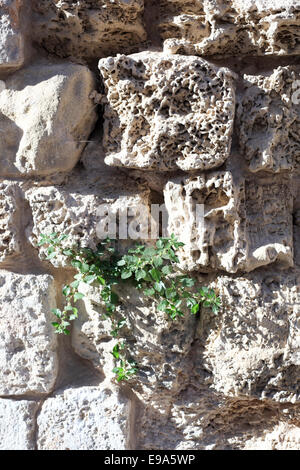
x=17, y=424
x=10, y=243
x=269, y=120
x=230, y=28
x=11, y=36
x=166, y=112
x=82, y=419
x=254, y=349
x=221, y=233
x=88, y=29
x=74, y=209
x=283, y=437
x=28, y=354
x=46, y=116
x=221, y=130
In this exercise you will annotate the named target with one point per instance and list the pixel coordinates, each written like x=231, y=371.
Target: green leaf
x=66, y=291
x=140, y=274
x=78, y=296
x=150, y=291
x=126, y=274
x=122, y=262
x=155, y=274
x=157, y=261
x=195, y=309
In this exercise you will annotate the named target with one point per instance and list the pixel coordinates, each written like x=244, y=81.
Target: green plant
x=152, y=269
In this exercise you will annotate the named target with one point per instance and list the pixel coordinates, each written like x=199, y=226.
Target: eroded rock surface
x=82, y=419
x=12, y=54
x=217, y=218
x=255, y=349
x=10, y=227
x=167, y=112
x=269, y=120
x=233, y=27
x=46, y=117
x=81, y=210
x=88, y=29
x=17, y=424
x=28, y=354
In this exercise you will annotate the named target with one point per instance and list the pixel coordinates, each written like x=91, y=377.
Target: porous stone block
x=10, y=230
x=88, y=209
x=230, y=28
x=254, y=348
x=230, y=225
x=166, y=112
x=46, y=117
x=11, y=35
x=268, y=120
x=88, y=29
x=28, y=354
x=17, y=424
x=84, y=418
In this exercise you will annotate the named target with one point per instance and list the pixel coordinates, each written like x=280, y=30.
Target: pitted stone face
x=230, y=27
x=269, y=120
x=88, y=29
x=241, y=226
x=167, y=112
x=11, y=35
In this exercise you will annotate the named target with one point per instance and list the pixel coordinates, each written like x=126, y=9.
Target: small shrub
x=152, y=270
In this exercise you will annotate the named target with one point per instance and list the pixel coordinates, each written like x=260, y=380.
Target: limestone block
x=282, y=437
x=88, y=29
x=159, y=345
x=269, y=120
x=84, y=418
x=28, y=354
x=166, y=112
x=230, y=225
x=46, y=116
x=17, y=424
x=85, y=206
x=10, y=243
x=230, y=28
x=254, y=349
x=11, y=35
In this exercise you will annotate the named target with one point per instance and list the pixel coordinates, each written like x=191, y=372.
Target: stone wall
x=134, y=101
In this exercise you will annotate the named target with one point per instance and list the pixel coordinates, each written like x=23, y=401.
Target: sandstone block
x=234, y=27
x=28, y=354
x=17, y=424
x=88, y=29
x=238, y=226
x=46, y=116
x=85, y=418
x=11, y=36
x=166, y=112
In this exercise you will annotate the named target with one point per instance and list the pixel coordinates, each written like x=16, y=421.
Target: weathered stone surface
x=166, y=112
x=10, y=243
x=269, y=120
x=84, y=418
x=11, y=35
x=28, y=354
x=224, y=233
x=46, y=116
x=230, y=28
x=17, y=424
x=88, y=29
x=254, y=347
x=282, y=437
x=80, y=209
